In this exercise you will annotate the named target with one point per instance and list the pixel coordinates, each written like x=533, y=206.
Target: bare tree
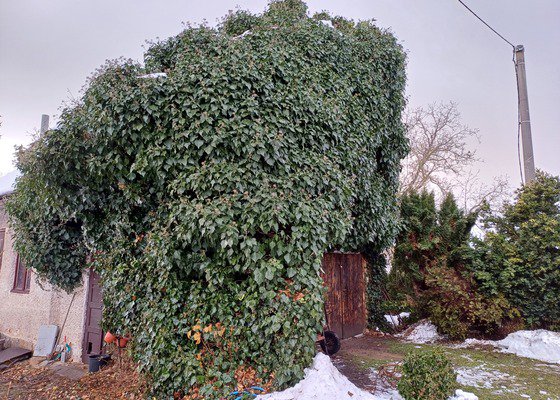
x=472, y=194
x=440, y=157
x=438, y=147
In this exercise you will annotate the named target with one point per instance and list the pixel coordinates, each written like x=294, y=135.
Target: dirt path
x=357, y=355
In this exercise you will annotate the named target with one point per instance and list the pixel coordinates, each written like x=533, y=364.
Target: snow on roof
x=326, y=22
x=7, y=182
x=153, y=75
x=246, y=33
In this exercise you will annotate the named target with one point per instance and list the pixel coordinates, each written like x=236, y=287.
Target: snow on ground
x=539, y=344
x=396, y=320
x=472, y=343
x=421, y=332
x=386, y=392
x=323, y=381
x=462, y=395
x=481, y=377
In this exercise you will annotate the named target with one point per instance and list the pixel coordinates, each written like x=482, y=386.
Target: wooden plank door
x=345, y=301
x=333, y=282
x=93, y=334
x=354, y=290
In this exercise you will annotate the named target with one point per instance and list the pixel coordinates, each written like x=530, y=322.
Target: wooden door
x=93, y=335
x=345, y=301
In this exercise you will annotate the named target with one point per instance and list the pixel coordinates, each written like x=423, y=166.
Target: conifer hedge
x=207, y=196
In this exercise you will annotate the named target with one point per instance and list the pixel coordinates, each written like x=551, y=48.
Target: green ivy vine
x=208, y=193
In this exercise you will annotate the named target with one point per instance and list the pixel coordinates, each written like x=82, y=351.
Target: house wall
x=21, y=314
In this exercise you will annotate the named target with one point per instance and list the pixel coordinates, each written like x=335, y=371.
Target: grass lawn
x=489, y=374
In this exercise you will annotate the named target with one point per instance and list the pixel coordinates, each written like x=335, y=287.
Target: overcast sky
x=48, y=48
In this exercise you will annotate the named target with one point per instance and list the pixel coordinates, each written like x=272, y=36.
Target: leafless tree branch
x=440, y=158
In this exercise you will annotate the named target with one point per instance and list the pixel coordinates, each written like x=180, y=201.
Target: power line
x=485, y=23
x=517, y=81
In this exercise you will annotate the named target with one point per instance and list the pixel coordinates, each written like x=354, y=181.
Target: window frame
x=26, y=277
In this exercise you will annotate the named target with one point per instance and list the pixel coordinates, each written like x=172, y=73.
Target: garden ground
x=489, y=374
x=482, y=370
x=24, y=381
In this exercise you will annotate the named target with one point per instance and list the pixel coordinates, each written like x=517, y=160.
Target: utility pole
x=524, y=119
x=44, y=124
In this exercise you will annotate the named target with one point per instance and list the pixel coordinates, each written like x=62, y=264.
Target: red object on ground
x=109, y=337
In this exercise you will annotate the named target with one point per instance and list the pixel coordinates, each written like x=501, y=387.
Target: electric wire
x=485, y=23
x=519, y=152
x=517, y=83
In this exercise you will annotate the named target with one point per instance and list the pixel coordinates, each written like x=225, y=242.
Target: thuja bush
x=432, y=270
x=519, y=257
x=207, y=196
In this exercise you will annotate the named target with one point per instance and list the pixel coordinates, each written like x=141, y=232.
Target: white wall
x=21, y=314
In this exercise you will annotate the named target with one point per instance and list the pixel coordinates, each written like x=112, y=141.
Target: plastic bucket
x=97, y=361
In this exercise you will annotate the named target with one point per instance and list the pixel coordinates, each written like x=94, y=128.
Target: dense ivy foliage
x=431, y=274
x=208, y=196
x=520, y=255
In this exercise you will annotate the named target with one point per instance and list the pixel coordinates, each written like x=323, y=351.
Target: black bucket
x=98, y=361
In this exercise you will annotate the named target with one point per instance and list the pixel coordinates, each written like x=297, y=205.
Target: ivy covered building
x=209, y=181
x=26, y=302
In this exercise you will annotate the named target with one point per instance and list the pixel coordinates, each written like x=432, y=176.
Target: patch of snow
x=473, y=343
x=246, y=33
x=540, y=345
x=153, y=75
x=422, y=332
x=383, y=390
x=480, y=377
x=322, y=381
x=392, y=394
x=462, y=395
x=396, y=320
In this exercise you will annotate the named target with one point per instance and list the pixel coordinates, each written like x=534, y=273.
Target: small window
x=2, y=235
x=22, y=279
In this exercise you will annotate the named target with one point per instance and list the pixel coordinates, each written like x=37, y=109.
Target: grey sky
x=48, y=48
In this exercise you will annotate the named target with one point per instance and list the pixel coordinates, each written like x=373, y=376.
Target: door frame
x=88, y=296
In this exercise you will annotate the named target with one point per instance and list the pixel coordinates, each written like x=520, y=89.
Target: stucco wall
x=21, y=314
